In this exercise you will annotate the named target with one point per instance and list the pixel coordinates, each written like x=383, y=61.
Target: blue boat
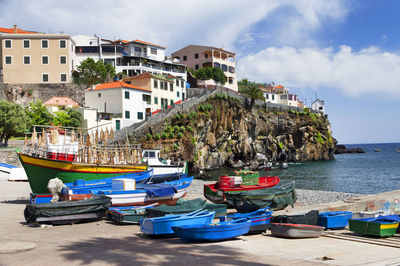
x=260, y=219
x=213, y=232
x=334, y=220
x=163, y=225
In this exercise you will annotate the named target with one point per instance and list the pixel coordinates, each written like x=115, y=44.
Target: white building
x=117, y=102
x=318, y=105
x=270, y=96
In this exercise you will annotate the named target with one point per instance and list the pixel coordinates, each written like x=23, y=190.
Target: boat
x=163, y=225
x=334, y=220
x=260, y=219
x=374, y=226
x=185, y=206
x=127, y=215
x=243, y=181
x=274, y=198
x=144, y=194
x=65, y=155
x=296, y=230
x=213, y=232
x=311, y=218
x=162, y=166
x=13, y=173
x=377, y=150
x=65, y=212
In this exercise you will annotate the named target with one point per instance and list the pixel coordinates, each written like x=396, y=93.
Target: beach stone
x=15, y=247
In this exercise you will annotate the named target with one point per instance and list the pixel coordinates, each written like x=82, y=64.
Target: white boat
x=14, y=173
x=161, y=166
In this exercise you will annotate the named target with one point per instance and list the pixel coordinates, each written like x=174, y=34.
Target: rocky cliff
x=221, y=132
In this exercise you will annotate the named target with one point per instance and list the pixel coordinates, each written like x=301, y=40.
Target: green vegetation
x=280, y=144
x=13, y=121
x=179, y=135
x=213, y=73
x=319, y=138
x=313, y=117
x=253, y=92
x=176, y=128
x=205, y=107
x=38, y=114
x=193, y=140
x=157, y=136
x=182, y=128
x=149, y=136
x=164, y=135
x=175, y=146
x=171, y=135
x=189, y=128
x=92, y=72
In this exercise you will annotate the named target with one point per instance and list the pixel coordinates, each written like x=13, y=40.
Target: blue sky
x=345, y=51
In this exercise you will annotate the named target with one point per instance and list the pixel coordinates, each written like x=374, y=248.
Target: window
x=140, y=115
x=8, y=60
x=45, y=60
x=224, y=67
x=155, y=100
x=196, y=67
x=63, y=44
x=27, y=44
x=182, y=85
x=127, y=95
x=63, y=77
x=153, y=50
x=171, y=86
x=184, y=58
x=155, y=83
x=177, y=83
x=127, y=115
x=165, y=86
x=45, y=43
x=177, y=94
x=161, y=85
x=171, y=102
x=196, y=56
x=45, y=77
x=117, y=124
x=146, y=98
x=273, y=97
x=206, y=55
x=99, y=95
x=27, y=60
x=267, y=96
x=63, y=59
x=7, y=44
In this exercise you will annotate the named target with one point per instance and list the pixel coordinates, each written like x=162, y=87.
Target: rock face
x=340, y=149
x=227, y=134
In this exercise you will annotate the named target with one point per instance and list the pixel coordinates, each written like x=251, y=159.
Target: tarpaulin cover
x=93, y=205
x=274, y=198
x=160, y=190
x=310, y=218
x=186, y=206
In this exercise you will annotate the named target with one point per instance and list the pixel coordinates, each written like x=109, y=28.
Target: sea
x=365, y=173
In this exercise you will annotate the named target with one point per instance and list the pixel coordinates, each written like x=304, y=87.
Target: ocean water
x=370, y=172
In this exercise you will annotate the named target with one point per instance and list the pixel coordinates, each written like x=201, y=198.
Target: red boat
x=243, y=181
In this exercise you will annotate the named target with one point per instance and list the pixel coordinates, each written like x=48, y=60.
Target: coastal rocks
x=340, y=149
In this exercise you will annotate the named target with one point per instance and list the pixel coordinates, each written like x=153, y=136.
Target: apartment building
x=165, y=90
x=197, y=56
x=36, y=57
x=117, y=103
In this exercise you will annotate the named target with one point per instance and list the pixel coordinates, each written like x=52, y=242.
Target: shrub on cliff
x=253, y=92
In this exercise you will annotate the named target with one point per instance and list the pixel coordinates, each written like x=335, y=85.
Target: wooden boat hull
x=334, y=220
x=163, y=225
x=40, y=171
x=217, y=195
x=296, y=230
x=213, y=232
x=374, y=227
x=127, y=215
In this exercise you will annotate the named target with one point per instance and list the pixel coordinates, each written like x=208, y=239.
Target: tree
x=67, y=118
x=213, y=73
x=75, y=117
x=253, y=92
x=38, y=113
x=13, y=121
x=92, y=72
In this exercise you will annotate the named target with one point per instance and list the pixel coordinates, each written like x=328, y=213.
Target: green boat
x=127, y=215
x=275, y=198
x=373, y=226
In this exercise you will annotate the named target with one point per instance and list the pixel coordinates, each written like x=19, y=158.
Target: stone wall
x=9, y=156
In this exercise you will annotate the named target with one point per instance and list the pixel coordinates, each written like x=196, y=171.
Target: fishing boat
x=127, y=215
x=374, y=226
x=71, y=156
x=274, y=198
x=163, y=225
x=213, y=232
x=334, y=220
x=243, y=181
x=260, y=219
x=296, y=230
x=166, y=193
x=311, y=218
x=185, y=206
x=64, y=212
x=160, y=165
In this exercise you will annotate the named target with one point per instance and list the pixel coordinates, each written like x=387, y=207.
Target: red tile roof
x=61, y=101
x=139, y=41
x=117, y=84
x=278, y=87
x=11, y=30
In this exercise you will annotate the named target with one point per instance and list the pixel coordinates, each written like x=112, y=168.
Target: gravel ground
x=305, y=197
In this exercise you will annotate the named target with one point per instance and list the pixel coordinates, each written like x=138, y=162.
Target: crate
x=123, y=184
x=334, y=220
x=40, y=198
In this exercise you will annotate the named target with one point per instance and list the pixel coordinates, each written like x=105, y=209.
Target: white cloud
x=172, y=23
x=353, y=72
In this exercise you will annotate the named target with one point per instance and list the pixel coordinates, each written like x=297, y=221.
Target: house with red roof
x=56, y=104
x=117, y=104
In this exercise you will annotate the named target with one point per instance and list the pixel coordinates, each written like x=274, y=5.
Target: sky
x=344, y=52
